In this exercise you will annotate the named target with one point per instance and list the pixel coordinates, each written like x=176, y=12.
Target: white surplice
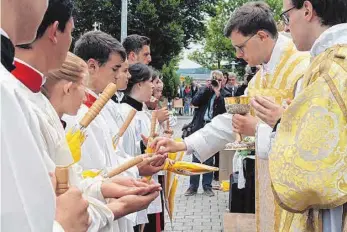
x=98, y=153
x=129, y=145
x=27, y=195
x=143, y=127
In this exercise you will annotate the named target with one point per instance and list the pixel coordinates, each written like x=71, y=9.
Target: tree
x=217, y=48
x=188, y=80
x=170, y=78
x=170, y=24
x=276, y=6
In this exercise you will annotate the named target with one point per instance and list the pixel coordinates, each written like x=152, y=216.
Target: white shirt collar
x=91, y=92
x=119, y=95
x=26, y=64
x=2, y=32
x=332, y=36
x=269, y=67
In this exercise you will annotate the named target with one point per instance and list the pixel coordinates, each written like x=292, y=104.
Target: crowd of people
x=46, y=91
x=228, y=83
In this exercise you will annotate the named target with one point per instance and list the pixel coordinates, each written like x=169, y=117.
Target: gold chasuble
x=308, y=161
x=281, y=83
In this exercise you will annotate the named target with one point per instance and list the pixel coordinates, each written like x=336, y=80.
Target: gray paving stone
x=195, y=213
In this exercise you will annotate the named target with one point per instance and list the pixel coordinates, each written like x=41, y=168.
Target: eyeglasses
x=242, y=46
x=285, y=17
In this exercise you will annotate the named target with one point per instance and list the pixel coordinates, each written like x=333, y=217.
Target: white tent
x=188, y=64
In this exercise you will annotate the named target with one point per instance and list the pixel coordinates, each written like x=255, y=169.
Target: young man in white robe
x=28, y=197
x=107, y=63
x=26, y=205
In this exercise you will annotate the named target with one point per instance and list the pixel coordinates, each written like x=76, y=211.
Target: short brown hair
x=251, y=18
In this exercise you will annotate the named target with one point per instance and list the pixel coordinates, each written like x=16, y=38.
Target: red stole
x=28, y=76
x=90, y=100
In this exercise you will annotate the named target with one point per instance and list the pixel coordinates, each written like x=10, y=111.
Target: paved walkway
x=197, y=213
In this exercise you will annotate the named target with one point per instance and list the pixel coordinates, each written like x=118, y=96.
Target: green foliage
x=188, y=80
x=217, y=48
x=276, y=6
x=170, y=24
x=170, y=78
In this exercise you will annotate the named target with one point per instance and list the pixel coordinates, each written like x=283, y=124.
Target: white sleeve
x=57, y=227
x=212, y=137
x=89, y=186
x=298, y=87
x=263, y=140
x=100, y=215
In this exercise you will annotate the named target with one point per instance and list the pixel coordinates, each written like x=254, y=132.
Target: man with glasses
x=308, y=158
x=253, y=32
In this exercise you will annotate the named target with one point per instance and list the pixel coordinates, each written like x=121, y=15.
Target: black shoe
x=208, y=192
x=190, y=192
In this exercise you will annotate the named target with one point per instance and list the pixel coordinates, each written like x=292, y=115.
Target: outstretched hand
x=145, y=138
x=151, y=165
x=116, y=190
x=131, y=203
x=164, y=145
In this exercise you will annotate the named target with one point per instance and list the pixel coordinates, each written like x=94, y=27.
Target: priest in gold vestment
x=307, y=162
x=257, y=42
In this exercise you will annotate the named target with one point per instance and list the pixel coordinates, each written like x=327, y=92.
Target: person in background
x=249, y=74
x=194, y=88
x=231, y=85
x=187, y=99
x=158, y=93
x=226, y=78
x=210, y=103
x=138, y=49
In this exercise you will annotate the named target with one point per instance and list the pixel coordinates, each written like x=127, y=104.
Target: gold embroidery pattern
x=308, y=159
x=269, y=218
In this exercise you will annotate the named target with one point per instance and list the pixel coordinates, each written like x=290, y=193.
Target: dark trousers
x=216, y=164
x=137, y=228
x=206, y=178
x=243, y=200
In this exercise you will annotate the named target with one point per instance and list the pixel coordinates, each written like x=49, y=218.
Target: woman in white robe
x=70, y=105
x=115, y=120
x=51, y=139
x=139, y=91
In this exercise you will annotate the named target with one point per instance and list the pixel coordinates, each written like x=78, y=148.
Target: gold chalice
x=239, y=105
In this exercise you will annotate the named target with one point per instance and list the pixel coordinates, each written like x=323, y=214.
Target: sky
x=185, y=62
